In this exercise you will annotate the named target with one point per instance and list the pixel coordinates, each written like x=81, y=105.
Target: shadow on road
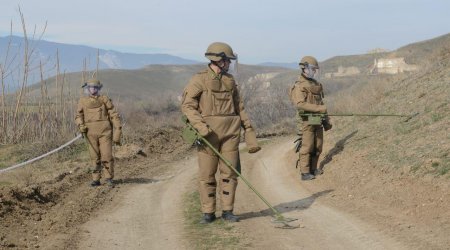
x=136, y=181
x=287, y=206
x=338, y=148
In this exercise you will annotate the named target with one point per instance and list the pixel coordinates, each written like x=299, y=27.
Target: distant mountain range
x=72, y=56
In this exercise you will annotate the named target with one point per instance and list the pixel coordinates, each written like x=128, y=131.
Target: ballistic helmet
x=308, y=60
x=217, y=51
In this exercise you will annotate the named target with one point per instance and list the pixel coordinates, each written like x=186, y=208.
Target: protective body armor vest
x=217, y=98
x=94, y=109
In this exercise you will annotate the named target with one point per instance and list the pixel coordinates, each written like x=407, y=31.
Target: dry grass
x=65, y=161
x=420, y=145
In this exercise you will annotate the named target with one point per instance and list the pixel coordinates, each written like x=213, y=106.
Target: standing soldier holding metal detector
x=99, y=122
x=307, y=96
x=212, y=105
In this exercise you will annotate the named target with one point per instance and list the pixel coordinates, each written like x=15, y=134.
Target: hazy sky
x=258, y=30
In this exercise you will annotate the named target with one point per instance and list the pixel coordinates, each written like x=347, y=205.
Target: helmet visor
x=92, y=89
x=233, y=67
x=311, y=71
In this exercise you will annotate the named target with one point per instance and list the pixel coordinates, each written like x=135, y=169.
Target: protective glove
x=82, y=128
x=205, y=131
x=251, y=141
x=327, y=126
x=117, y=134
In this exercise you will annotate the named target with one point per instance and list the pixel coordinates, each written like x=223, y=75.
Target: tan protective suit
x=98, y=114
x=307, y=94
x=213, y=106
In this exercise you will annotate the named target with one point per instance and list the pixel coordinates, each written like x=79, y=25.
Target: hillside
x=420, y=53
x=149, y=82
x=416, y=53
x=420, y=145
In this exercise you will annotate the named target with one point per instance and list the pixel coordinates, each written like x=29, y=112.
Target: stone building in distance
x=391, y=66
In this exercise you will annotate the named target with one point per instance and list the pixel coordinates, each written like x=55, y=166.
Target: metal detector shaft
x=229, y=165
x=86, y=139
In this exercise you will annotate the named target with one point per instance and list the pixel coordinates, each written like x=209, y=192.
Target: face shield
x=227, y=65
x=93, y=90
x=311, y=71
x=233, y=67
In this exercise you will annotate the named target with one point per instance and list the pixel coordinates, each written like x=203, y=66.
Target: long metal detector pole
x=279, y=217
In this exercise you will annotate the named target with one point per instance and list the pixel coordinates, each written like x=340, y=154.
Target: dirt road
x=149, y=215
x=322, y=227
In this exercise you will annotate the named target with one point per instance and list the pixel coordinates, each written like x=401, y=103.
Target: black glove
x=327, y=126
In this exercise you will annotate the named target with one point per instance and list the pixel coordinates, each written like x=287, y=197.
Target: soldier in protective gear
x=307, y=96
x=212, y=104
x=99, y=122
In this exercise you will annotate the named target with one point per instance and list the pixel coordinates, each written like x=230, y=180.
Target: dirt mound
x=46, y=213
x=163, y=140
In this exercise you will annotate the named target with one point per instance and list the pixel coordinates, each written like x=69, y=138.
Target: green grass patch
x=440, y=167
x=443, y=168
x=5, y=183
x=406, y=128
x=11, y=154
x=435, y=117
x=217, y=235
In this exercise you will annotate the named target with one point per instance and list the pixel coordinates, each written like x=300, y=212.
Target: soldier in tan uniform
x=307, y=96
x=213, y=106
x=98, y=120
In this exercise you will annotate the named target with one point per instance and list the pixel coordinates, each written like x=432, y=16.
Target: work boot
x=208, y=218
x=95, y=183
x=307, y=177
x=110, y=182
x=318, y=172
x=229, y=216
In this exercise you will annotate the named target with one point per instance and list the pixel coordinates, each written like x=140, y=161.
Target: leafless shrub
x=30, y=118
x=138, y=116
x=268, y=106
